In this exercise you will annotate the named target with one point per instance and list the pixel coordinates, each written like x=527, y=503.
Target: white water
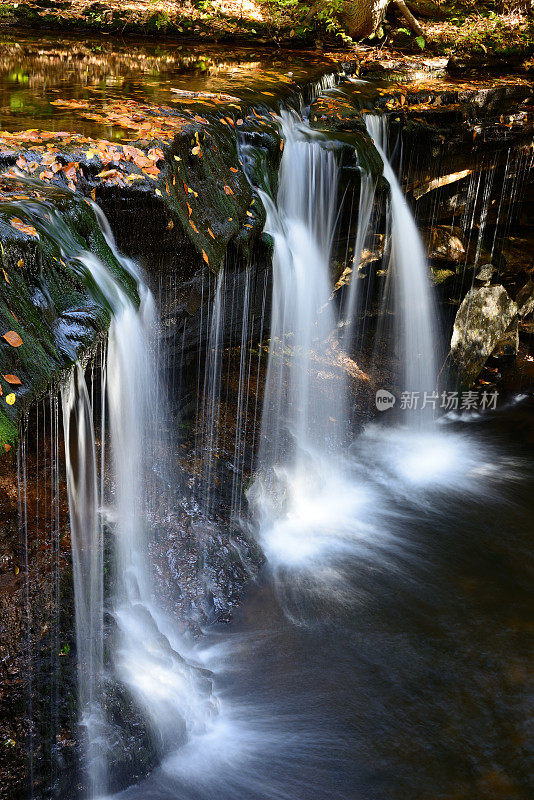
x=302, y=411
x=409, y=272
x=173, y=694
x=87, y=565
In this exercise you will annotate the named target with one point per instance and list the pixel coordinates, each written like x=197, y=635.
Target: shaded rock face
x=481, y=323
x=445, y=243
x=525, y=299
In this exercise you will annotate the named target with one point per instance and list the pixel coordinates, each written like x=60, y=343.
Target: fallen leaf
x=13, y=379
x=205, y=257
x=193, y=225
x=10, y=399
x=20, y=263
x=12, y=338
x=21, y=226
x=7, y=447
x=6, y=277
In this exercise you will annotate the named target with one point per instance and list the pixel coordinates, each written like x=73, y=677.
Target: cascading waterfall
x=415, y=312
x=301, y=476
x=301, y=415
x=87, y=564
x=174, y=694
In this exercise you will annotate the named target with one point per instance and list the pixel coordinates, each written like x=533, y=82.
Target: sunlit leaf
x=22, y=227
x=12, y=338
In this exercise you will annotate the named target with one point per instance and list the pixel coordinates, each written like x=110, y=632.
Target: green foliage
x=308, y=16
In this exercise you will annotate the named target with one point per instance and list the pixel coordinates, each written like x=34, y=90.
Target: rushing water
x=416, y=337
x=382, y=653
x=88, y=570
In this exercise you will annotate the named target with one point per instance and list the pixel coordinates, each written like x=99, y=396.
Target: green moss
x=47, y=294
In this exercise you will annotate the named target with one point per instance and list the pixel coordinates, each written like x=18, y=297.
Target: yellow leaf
x=10, y=399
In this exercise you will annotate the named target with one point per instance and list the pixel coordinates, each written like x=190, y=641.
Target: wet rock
x=445, y=243
x=54, y=307
x=484, y=317
x=525, y=299
x=475, y=63
x=508, y=346
x=485, y=274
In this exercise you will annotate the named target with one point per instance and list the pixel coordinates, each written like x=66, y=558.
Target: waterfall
x=301, y=414
x=303, y=430
x=414, y=306
x=172, y=693
x=87, y=566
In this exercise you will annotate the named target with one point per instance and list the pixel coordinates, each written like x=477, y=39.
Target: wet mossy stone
x=206, y=185
x=51, y=308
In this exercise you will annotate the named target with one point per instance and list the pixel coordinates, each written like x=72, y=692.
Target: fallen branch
x=408, y=17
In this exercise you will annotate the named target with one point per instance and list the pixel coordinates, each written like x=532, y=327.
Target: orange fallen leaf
x=7, y=447
x=13, y=379
x=205, y=257
x=190, y=210
x=193, y=225
x=211, y=233
x=21, y=226
x=6, y=277
x=12, y=338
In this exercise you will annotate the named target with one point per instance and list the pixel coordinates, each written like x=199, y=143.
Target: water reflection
x=34, y=72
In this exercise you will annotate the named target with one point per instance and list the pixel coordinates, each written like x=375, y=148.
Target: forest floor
x=485, y=27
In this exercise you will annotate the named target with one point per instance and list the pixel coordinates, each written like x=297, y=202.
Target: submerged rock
x=482, y=321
